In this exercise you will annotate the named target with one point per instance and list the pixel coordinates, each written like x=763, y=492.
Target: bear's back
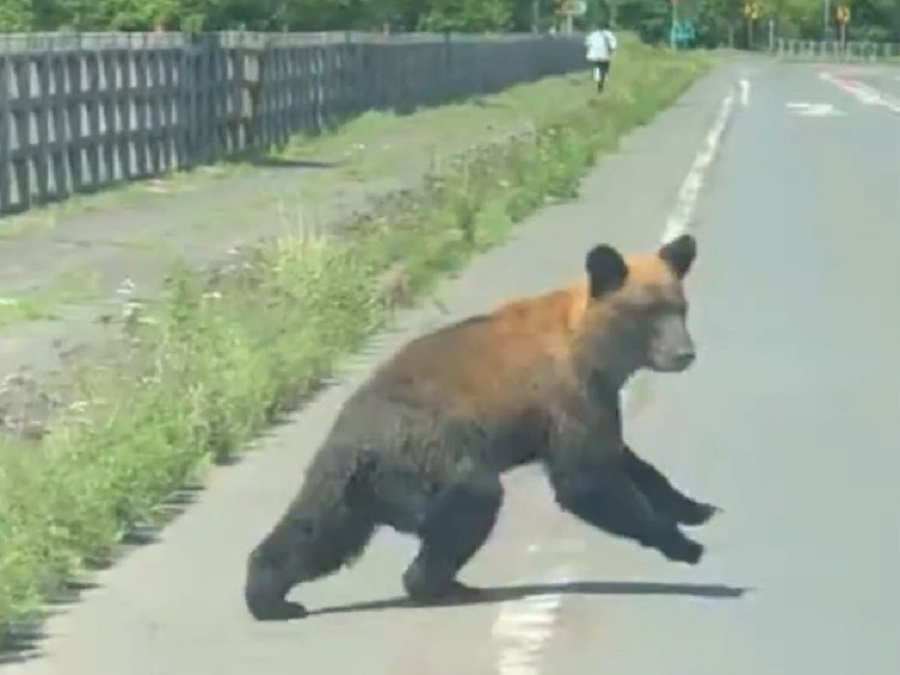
x=500, y=364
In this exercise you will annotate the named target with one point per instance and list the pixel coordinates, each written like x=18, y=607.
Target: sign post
x=569, y=9
x=750, y=10
x=842, y=16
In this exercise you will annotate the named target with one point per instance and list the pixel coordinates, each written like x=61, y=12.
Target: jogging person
x=600, y=44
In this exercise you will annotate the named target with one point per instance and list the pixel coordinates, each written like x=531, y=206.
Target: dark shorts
x=602, y=65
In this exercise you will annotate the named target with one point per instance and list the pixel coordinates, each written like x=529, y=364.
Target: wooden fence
x=79, y=112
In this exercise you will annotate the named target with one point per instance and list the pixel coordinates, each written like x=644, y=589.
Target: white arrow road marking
x=814, y=109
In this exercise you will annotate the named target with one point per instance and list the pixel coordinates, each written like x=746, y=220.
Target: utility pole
x=825, y=19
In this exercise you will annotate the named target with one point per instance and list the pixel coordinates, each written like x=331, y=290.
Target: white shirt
x=600, y=45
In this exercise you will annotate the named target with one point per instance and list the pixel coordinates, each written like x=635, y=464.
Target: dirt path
x=60, y=267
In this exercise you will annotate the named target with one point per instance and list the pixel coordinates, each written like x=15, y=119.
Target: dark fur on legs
x=295, y=553
x=664, y=496
x=607, y=499
x=323, y=529
x=459, y=522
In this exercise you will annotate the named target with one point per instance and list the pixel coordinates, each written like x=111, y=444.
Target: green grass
x=25, y=308
x=216, y=360
x=43, y=304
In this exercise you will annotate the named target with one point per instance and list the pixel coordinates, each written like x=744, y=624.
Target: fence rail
x=79, y=112
x=833, y=50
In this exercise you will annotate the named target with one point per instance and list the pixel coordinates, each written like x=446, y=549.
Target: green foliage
x=871, y=19
x=716, y=21
x=468, y=15
x=16, y=15
x=307, y=15
x=719, y=22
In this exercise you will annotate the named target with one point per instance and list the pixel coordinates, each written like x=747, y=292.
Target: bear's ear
x=606, y=269
x=679, y=254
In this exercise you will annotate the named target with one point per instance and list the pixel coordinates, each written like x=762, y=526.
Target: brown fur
x=528, y=349
x=421, y=445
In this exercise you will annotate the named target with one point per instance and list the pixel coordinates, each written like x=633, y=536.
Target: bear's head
x=636, y=312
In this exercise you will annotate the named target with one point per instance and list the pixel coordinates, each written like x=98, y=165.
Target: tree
x=714, y=20
x=16, y=16
x=468, y=15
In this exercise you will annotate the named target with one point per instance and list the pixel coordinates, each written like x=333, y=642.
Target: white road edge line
x=524, y=626
x=679, y=220
x=745, y=92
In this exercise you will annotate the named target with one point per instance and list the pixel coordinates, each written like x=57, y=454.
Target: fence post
x=5, y=132
x=186, y=139
x=248, y=85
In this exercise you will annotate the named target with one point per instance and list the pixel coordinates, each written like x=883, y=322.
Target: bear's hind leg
x=664, y=496
x=458, y=522
x=306, y=544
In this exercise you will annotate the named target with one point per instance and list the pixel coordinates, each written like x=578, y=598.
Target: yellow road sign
x=842, y=14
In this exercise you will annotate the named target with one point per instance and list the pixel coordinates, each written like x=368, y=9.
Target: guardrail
x=833, y=50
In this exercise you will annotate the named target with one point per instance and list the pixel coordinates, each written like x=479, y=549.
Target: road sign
x=750, y=10
x=682, y=32
x=842, y=14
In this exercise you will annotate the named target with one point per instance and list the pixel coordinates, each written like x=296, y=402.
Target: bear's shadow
x=517, y=592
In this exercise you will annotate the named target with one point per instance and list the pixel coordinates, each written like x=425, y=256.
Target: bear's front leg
x=664, y=496
x=605, y=497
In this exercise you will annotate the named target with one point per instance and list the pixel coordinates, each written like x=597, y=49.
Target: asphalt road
x=790, y=421
x=884, y=78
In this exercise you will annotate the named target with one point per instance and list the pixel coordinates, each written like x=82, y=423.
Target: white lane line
x=679, y=220
x=524, y=626
x=745, y=92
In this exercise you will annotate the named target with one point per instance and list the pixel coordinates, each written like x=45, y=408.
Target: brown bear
x=421, y=446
